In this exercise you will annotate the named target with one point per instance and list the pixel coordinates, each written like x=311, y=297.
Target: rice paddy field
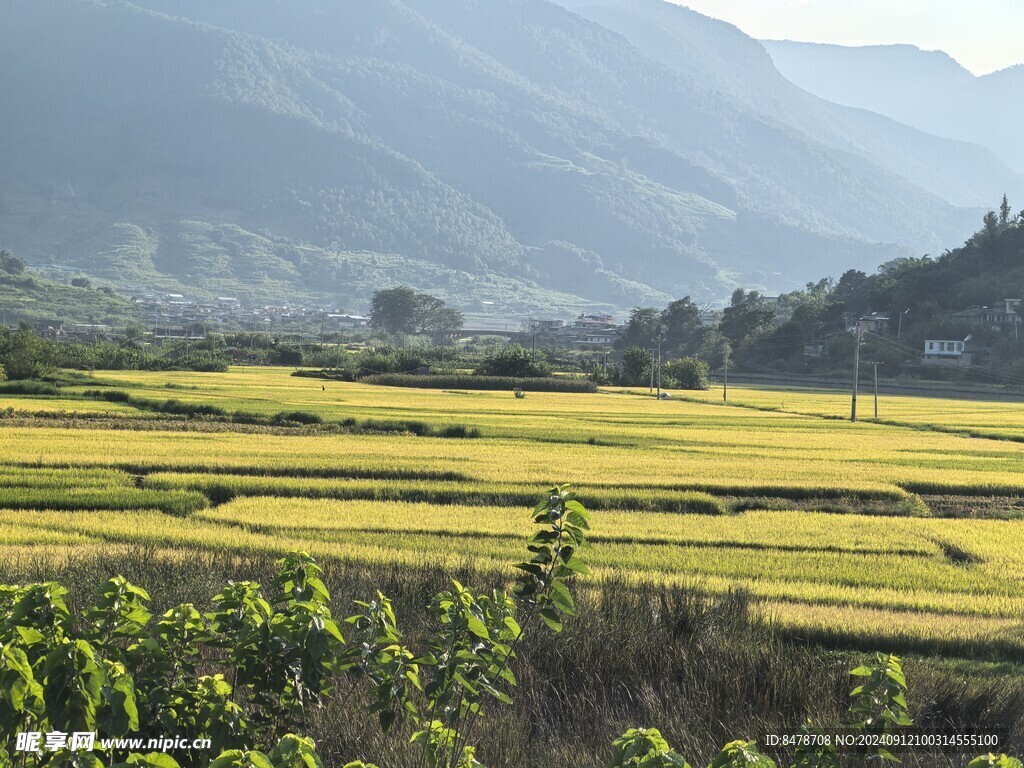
x=981, y=418
x=903, y=536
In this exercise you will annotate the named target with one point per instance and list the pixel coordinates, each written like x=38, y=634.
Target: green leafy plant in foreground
x=994, y=761
x=441, y=687
x=116, y=671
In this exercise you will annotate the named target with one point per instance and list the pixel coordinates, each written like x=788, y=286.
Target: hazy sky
x=983, y=35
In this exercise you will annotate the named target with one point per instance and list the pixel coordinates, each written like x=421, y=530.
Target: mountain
x=719, y=55
x=512, y=151
x=926, y=89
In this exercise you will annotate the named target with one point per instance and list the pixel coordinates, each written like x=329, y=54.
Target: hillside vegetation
x=510, y=151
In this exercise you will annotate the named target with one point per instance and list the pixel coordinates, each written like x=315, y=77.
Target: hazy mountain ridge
x=611, y=90
x=268, y=148
x=725, y=59
x=925, y=89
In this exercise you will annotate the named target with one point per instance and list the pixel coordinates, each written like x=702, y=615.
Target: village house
x=998, y=317
x=946, y=352
x=586, y=331
x=875, y=322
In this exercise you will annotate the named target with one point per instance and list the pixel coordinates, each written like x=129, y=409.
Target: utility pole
x=659, y=367
x=651, y=390
x=875, y=364
x=856, y=375
x=899, y=329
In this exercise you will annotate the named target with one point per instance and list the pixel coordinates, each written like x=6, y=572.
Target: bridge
x=467, y=333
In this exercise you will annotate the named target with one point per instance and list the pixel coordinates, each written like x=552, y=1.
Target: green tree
x=747, y=316
x=394, y=310
x=681, y=326
x=642, y=328
x=686, y=373
x=443, y=319
x=11, y=264
x=403, y=310
x=853, y=291
x=25, y=355
x=713, y=347
x=990, y=226
x=678, y=325
x=425, y=309
x=636, y=367
x=1005, y=214
x=512, y=360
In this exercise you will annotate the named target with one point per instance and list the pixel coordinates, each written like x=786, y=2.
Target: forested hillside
x=512, y=152
x=806, y=331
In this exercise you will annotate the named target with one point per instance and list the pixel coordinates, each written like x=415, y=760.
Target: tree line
x=804, y=331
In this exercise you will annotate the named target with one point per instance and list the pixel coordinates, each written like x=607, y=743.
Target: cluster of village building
x=586, y=331
x=957, y=353
x=173, y=316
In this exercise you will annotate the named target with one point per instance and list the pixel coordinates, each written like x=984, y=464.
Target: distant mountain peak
x=929, y=90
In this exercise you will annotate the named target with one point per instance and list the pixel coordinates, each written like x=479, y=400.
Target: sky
x=983, y=35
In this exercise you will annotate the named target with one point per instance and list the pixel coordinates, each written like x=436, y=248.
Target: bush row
x=178, y=503
x=467, y=381
x=284, y=418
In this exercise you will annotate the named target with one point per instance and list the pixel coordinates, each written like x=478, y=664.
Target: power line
x=990, y=372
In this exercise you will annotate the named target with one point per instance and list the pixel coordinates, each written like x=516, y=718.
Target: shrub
x=173, y=407
x=686, y=373
x=513, y=361
x=247, y=417
x=332, y=374
x=117, y=671
x=458, y=431
x=372, y=362
x=394, y=425
x=29, y=387
x=110, y=395
x=489, y=383
x=297, y=417
x=286, y=354
x=205, y=362
x=178, y=408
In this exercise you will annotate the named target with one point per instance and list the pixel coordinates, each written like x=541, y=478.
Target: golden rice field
x=835, y=527
x=985, y=417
